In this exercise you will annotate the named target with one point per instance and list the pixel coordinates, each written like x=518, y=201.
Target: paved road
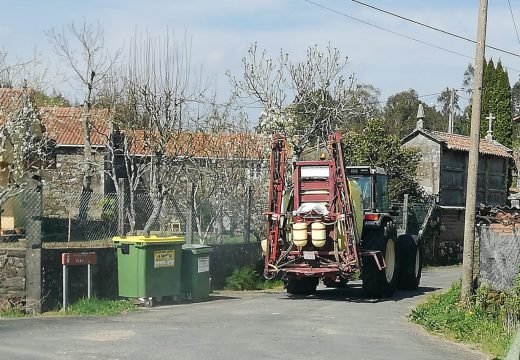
x=335, y=324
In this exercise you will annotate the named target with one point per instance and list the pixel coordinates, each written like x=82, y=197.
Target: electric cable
x=438, y=29
x=388, y=30
x=514, y=22
x=406, y=36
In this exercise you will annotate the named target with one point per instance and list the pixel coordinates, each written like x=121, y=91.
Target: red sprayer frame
x=332, y=190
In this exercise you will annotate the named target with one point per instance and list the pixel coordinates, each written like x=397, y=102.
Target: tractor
x=326, y=221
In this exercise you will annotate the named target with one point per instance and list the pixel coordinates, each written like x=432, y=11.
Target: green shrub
x=244, y=278
x=13, y=313
x=271, y=284
x=99, y=307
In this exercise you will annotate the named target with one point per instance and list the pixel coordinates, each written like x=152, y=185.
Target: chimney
x=489, y=135
x=420, y=118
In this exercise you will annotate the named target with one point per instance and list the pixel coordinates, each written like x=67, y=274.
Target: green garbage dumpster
x=149, y=267
x=195, y=272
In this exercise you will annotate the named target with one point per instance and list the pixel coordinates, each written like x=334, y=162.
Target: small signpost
x=75, y=259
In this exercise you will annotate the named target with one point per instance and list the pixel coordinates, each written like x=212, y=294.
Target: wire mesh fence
x=20, y=220
x=416, y=213
x=223, y=217
x=226, y=216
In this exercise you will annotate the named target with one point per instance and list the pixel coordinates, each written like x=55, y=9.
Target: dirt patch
x=113, y=335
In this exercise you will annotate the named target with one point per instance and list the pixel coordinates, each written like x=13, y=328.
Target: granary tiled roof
x=462, y=142
x=63, y=125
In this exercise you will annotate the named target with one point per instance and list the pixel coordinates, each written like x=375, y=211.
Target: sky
x=220, y=33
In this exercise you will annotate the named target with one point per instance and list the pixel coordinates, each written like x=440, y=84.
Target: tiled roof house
x=64, y=126
x=443, y=168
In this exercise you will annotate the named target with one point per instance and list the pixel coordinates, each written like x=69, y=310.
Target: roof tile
x=462, y=143
x=64, y=126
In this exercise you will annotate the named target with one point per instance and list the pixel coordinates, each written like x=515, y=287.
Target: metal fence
x=230, y=217
x=20, y=221
x=416, y=214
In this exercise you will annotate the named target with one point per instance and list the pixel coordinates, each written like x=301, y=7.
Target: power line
x=387, y=30
x=437, y=29
x=514, y=22
x=396, y=33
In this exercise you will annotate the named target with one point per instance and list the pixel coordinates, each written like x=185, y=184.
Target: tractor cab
x=373, y=183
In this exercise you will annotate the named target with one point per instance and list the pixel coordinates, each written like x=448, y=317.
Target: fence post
x=247, y=215
x=121, y=206
x=219, y=223
x=405, y=213
x=190, y=195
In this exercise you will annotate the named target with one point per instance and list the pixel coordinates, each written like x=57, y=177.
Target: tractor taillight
x=371, y=217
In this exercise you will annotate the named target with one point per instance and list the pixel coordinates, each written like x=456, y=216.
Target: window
x=382, y=193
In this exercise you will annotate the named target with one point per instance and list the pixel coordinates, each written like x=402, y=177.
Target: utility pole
x=452, y=111
x=471, y=186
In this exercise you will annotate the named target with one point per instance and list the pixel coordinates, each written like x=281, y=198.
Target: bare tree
x=83, y=50
x=5, y=71
x=227, y=155
x=167, y=101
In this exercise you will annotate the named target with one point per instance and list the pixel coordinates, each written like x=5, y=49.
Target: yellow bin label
x=164, y=258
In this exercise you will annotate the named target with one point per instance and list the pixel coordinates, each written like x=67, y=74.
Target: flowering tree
x=306, y=100
x=23, y=148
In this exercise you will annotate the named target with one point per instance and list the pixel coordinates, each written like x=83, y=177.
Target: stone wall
x=12, y=277
x=428, y=169
x=63, y=183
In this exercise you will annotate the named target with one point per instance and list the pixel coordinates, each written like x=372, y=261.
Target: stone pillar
x=33, y=280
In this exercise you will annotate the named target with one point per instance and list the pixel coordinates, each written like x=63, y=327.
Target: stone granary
x=442, y=172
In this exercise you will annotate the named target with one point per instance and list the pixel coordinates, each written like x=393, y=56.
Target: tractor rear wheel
x=410, y=254
x=303, y=286
x=380, y=283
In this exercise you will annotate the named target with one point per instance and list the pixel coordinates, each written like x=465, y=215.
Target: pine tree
x=503, y=127
x=496, y=99
x=515, y=98
x=488, y=90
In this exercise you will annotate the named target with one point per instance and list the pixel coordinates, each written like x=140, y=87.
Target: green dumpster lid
x=197, y=248
x=148, y=240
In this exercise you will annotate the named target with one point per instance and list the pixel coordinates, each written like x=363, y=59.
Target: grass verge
x=13, y=313
x=99, y=307
x=82, y=307
x=442, y=314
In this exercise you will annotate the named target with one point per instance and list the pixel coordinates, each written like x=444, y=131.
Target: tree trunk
x=86, y=193
x=157, y=192
x=158, y=203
